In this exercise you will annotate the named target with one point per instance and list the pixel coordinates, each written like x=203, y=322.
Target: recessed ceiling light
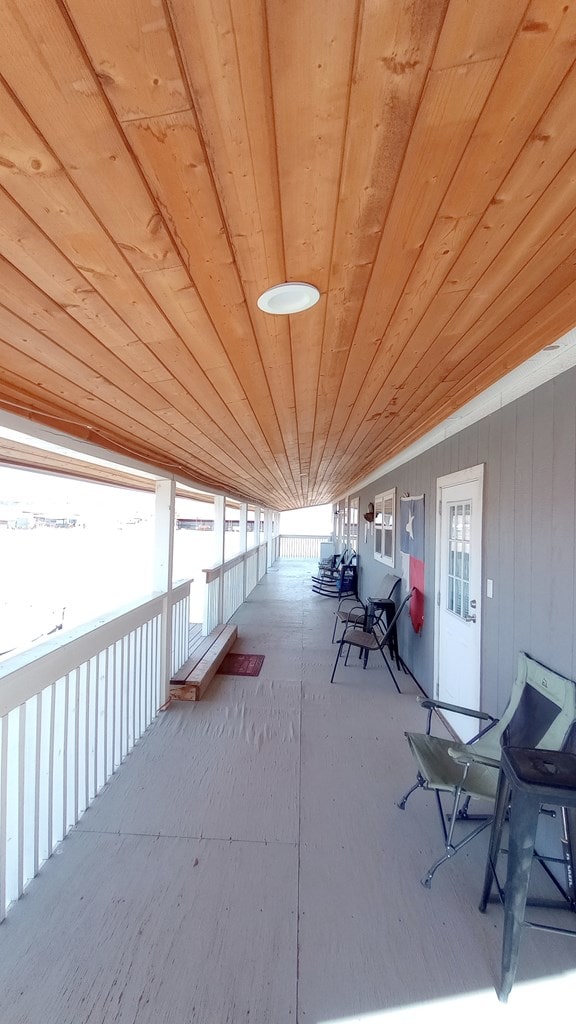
x=292, y=297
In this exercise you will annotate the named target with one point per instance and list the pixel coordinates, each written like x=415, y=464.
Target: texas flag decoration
x=412, y=548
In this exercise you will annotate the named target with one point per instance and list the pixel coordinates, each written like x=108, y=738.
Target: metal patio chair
x=540, y=712
x=352, y=611
x=375, y=640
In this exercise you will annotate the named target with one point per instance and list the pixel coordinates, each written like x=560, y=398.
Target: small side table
x=528, y=778
x=388, y=607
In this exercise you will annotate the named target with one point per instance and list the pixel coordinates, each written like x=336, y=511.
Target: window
x=384, y=526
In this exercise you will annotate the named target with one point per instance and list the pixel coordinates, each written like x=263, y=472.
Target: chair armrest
x=354, y=601
x=433, y=705
x=470, y=757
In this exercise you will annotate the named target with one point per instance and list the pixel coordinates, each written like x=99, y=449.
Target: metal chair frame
x=471, y=769
x=376, y=640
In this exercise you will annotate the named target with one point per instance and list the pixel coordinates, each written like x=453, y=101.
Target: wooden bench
x=192, y=679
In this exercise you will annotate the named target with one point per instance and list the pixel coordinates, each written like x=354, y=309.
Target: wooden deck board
x=249, y=856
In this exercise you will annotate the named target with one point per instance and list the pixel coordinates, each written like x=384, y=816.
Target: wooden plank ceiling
x=162, y=162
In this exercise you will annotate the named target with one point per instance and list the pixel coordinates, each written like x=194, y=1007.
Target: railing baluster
x=66, y=733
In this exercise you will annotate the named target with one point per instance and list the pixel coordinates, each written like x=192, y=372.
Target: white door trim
x=462, y=476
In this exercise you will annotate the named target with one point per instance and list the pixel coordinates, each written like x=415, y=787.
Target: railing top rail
x=30, y=671
x=306, y=537
x=214, y=571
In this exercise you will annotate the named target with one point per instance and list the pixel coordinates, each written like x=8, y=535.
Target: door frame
x=462, y=476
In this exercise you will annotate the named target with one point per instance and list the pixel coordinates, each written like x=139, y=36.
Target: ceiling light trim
x=288, y=298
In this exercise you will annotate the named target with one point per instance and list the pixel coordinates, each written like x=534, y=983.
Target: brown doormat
x=241, y=665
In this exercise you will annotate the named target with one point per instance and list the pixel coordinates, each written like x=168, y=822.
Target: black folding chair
x=375, y=640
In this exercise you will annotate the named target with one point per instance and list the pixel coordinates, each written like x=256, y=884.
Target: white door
x=459, y=593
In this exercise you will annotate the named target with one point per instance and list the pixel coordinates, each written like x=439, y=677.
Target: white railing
x=71, y=709
x=228, y=585
x=306, y=546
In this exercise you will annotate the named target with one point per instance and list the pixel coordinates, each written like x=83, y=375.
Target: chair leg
x=341, y=644
x=419, y=784
x=451, y=849
x=390, y=671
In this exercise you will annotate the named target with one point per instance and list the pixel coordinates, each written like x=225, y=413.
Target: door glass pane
x=459, y=533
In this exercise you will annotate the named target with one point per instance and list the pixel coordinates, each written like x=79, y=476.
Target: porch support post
x=268, y=536
x=243, y=543
x=164, y=513
x=243, y=527
x=219, y=514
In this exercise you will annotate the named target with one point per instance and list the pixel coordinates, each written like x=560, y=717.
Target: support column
x=219, y=513
x=243, y=543
x=243, y=527
x=164, y=514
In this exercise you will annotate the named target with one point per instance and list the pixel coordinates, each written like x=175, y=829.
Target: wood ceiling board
x=207, y=254
x=517, y=300
x=356, y=145
x=136, y=64
x=454, y=99
x=94, y=154
x=225, y=55
x=395, y=45
x=504, y=292
x=451, y=220
x=473, y=33
x=65, y=199
x=310, y=137
x=440, y=266
x=528, y=176
x=184, y=191
x=112, y=409
x=47, y=317
x=475, y=367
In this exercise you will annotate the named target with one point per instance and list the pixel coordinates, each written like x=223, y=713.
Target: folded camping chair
x=376, y=640
x=352, y=611
x=541, y=710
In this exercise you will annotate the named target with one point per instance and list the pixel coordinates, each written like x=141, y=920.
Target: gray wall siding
x=529, y=453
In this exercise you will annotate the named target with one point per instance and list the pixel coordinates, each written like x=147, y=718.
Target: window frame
x=381, y=531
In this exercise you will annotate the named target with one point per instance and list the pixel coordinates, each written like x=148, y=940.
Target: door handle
x=469, y=618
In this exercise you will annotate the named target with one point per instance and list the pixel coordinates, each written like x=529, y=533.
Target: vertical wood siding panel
x=540, y=554
x=490, y=453
x=504, y=575
x=529, y=451
x=562, y=568
x=523, y=472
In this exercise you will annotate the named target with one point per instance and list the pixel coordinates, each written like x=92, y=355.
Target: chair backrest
x=540, y=712
x=387, y=588
x=383, y=635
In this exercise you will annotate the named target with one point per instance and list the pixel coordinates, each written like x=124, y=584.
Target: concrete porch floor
x=248, y=863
